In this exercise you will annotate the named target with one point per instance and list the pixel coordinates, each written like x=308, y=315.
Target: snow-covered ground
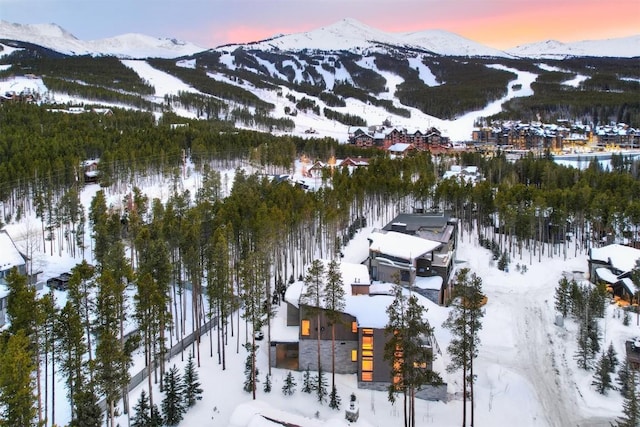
x=459, y=129
x=526, y=371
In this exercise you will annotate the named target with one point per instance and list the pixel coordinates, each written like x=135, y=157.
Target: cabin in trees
x=359, y=335
x=90, y=170
x=419, y=249
x=612, y=265
x=10, y=257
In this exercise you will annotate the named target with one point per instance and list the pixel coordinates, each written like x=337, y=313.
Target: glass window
x=354, y=327
x=354, y=355
x=367, y=376
x=367, y=342
x=305, y=327
x=367, y=364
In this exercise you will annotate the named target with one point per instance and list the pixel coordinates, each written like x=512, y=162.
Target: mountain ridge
x=346, y=34
x=131, y=45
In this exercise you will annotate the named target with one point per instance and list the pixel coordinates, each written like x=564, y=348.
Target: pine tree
x=563, y=297
x=464, y=324
x=156, y=417
x=602, y=376
x=88, y=412
x=289, y=386
x=173, y=407
x=313, y=297
x=583, y=353
x=334, y=301
x=142, y=411
x=72, y=349
x=503, y=262
x=626, y=319
x=612, y=357
x=267, y=384
x=254, y=277
x=334, y=398
x=111, y=361
x=250, y=374
x=17, y=398
x=306, y=381
x=192, y=389
x=623, y=378
x=630, y=406
x=21, y=302
x=320, y=386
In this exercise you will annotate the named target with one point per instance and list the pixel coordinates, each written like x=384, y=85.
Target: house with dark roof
x=420, y=248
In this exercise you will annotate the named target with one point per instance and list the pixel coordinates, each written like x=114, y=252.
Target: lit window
x=354, y=327
x=306, y=327
x=367, y=364
x=367, y=342
x=367, y=376
x=354, y=355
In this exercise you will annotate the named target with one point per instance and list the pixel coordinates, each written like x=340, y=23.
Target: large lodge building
x=558, y=137
x=385, y=136
x=562, y=136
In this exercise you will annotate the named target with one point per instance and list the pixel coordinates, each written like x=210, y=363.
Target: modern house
x=612, y=264
x=10, y=257
x=419, y=248
x=359, y=336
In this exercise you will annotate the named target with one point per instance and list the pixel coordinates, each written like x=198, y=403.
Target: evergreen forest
x=228, y=239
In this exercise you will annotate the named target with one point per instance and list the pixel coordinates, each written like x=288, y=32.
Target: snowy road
x=524, y=355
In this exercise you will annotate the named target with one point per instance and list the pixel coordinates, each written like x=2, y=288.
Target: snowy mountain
x=350, y=34
x=626, y=47
x=343, y=35
x=53, y=37
x=450, y=44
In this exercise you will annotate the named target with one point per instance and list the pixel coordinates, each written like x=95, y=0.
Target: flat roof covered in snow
x=401, y=245
x=621, y=257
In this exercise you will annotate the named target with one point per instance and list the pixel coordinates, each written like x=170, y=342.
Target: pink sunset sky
x=209, y=23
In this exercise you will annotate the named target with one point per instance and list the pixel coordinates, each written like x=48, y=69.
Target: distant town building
x=386, y=136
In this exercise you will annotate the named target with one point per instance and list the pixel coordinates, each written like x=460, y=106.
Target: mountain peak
x=19, y=31
x=54, y=37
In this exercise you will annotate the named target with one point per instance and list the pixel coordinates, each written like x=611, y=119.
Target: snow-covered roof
x=433, y=282
x=370, y=310
x=621, y=257
x=350, y=273
x=606, y=275
x=400, y=245
x=399, y=147
x=9, y=255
